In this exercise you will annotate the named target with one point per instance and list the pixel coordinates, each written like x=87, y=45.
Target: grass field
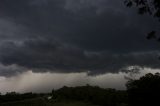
x=42, y=102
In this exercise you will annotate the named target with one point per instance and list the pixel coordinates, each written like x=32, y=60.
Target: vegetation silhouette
x=92, y=94
x=151, y=7
x=86, y=94
x=144, y=91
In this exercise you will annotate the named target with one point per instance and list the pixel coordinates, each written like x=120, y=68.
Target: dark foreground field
x=43, y=102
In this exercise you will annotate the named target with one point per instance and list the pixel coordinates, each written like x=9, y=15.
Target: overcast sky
x=69, y=37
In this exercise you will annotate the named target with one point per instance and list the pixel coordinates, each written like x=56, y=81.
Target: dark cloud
x=10, y=70
x=43, y=55
x=74, y=36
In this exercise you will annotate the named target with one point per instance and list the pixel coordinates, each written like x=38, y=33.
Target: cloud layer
x=64, y=36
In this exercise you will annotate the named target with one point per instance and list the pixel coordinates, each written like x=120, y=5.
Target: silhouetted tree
x=151, y=7
x=144, y=91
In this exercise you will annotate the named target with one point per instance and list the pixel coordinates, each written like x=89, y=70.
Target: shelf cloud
x=68, y=36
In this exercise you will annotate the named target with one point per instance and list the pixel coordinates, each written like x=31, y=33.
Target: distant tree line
x=144, y=91
x=93, y=94
x=13, y=96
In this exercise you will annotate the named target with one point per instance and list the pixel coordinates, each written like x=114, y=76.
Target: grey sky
x=74, y=36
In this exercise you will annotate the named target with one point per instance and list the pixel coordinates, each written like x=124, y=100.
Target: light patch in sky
x=45, y=82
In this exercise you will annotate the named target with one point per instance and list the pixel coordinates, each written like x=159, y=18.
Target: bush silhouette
x=144, y=91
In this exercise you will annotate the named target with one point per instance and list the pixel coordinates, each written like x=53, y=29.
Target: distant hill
x=68, y=96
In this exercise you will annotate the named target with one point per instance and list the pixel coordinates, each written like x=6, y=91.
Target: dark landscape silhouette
x=140, y=92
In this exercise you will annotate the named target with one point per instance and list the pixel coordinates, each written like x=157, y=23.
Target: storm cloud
x=64, y=36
